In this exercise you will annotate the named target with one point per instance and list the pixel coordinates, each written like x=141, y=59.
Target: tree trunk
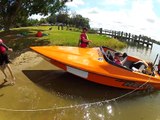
x=7, y=28
x=7, y=23
x=9, y=15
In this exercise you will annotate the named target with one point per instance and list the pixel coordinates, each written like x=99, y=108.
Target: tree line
x=61, y=18
x=16, y=13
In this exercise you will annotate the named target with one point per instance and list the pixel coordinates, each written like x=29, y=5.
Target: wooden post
x=62, y=27
x=136, y=40
x=147, y=42
x=100, y=31
x=129, y=37
x=121, y=35
x=139, y=38
x=133, y=38
x=114, y=33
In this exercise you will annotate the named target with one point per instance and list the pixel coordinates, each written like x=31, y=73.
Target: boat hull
x=90, y=64
x=105, y=80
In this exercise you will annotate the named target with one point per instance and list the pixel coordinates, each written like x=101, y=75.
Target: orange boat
x=95, y=65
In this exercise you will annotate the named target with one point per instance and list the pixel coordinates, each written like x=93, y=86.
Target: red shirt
x=2, y=48
x=117, y=61
x=83, y=38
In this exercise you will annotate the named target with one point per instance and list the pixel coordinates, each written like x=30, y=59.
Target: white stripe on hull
x=77, y=72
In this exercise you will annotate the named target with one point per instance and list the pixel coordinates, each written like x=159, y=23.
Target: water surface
x=45, y=92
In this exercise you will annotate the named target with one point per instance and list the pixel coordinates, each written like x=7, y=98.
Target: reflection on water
x=52, y=94
x=146, y=53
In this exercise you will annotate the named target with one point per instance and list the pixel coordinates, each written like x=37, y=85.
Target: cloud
x=150, y=20
x=142, y=16
x=115, y=2
x=75, y=3
x=139, y=19
x=37, y=16
x=93, y=12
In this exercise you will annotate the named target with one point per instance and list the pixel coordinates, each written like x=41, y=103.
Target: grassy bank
x=53, y=37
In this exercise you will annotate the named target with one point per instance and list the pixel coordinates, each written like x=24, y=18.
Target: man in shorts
x=4, y=62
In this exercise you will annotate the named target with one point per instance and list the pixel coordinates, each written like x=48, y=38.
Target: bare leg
x=10, y=70
x=3, y=70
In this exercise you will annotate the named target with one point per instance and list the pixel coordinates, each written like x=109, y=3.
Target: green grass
x=55, y=37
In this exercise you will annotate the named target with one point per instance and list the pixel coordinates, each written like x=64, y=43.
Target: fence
x=128, y=37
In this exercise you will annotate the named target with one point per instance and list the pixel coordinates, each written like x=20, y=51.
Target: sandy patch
x=26, y=60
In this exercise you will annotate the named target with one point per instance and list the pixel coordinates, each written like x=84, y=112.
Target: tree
x=43, y=21
x=80, y=21
x=52, y=19
x=30, y=22
x=11, y=10
x=62, y=18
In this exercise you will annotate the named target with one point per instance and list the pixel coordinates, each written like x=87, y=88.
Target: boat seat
x=128, y=64
x=139, y=66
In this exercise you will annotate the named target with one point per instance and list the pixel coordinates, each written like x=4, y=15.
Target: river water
x=147, y=53
x=48, y=93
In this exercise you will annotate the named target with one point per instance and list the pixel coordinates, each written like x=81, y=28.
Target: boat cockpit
x=108, y=55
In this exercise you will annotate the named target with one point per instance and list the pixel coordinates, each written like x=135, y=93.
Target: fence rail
x=128, y=37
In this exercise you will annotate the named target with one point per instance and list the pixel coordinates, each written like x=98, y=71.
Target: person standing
x=84, y=41
x=4, y=62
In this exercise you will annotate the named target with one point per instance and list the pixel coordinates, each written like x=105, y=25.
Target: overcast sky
x=135, y=16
